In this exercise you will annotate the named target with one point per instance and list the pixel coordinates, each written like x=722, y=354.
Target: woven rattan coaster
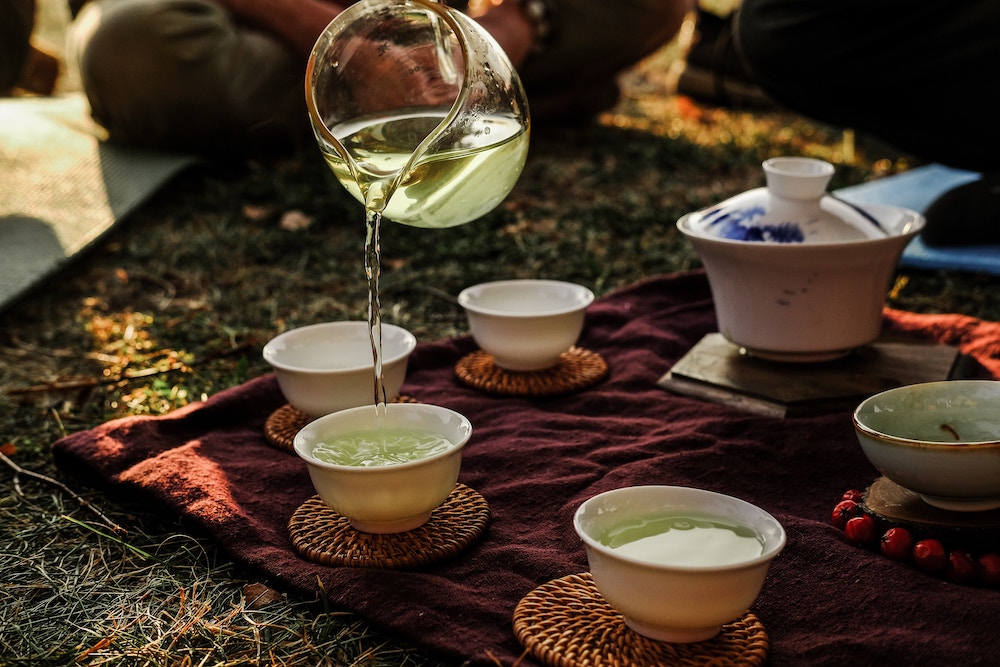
x=567, y=623
x=281, y=427
x=576, y=369
x=321, y=535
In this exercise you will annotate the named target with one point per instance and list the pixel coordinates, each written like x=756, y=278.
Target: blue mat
x=916, y=189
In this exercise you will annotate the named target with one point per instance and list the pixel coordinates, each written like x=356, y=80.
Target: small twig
x=101, y=644
x=18, y=471
x=86, y=383
x=25, y=348
x=516, y=663
x=64, y=385
x=59, y=422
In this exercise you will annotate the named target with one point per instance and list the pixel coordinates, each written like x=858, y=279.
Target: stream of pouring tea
x=373, y=225
x=444, y=187
x=373, y=230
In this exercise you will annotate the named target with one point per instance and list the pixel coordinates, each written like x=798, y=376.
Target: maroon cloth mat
x=825, y=602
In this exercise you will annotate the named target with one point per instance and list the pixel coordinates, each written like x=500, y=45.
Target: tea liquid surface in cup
x=684, y=540
x=380, y=447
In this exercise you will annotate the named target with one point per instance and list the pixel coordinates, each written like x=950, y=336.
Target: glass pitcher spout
x=417, y=111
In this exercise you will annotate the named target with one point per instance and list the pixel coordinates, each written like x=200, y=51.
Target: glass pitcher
x=417, y=111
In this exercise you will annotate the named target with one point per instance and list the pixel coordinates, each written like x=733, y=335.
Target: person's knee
x=124, y=36
x=652, y=23
x=639, y=27
x=149, y=67
x=595, y=39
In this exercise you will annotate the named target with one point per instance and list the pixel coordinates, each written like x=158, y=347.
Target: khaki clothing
x=183, y=74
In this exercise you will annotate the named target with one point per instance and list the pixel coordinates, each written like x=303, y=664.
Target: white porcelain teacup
x=940, y=440
x=391, y=489
x=322, y=368
x=526, y=324
x=677, y=562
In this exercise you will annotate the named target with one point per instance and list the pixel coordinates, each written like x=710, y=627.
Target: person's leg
x=17, y=20
x=591, y=42
x=914, y=74
x=180, y=74
x=967, y=215
x=711, y=71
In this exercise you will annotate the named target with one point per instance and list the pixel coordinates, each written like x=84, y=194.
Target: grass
x=176, y=303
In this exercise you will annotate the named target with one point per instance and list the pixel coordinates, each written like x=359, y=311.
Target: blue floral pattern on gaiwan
x=794, y=208
x=738, y=224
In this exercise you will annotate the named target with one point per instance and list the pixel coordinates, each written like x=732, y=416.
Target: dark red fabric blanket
x=825, y=601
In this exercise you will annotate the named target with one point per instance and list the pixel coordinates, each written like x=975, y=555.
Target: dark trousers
x=17, y=19
x=918, y=74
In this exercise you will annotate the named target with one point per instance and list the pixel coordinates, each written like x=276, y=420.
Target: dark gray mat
x=62, y=187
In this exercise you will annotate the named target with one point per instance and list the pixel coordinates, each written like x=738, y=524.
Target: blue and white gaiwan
x=797, y=274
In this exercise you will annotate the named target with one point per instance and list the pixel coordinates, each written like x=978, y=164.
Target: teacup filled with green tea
x=385, y=468
x=677, y=562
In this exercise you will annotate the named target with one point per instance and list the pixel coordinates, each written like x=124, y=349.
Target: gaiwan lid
x=794, y=207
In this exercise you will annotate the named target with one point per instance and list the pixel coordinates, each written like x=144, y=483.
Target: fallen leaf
x=260, y=595
x=688, y=108
x=293, y=221
x=254, y=212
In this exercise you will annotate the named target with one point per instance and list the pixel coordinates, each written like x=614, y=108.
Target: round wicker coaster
x=281, y=427
x=321, y=535
x=567, y=623
x=576, y=369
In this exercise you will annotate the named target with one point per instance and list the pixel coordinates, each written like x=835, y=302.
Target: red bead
x=960, y=567
x=860, y=529
x=897, y=544
x=988, y=569
x=929, y=555
x=845, y=509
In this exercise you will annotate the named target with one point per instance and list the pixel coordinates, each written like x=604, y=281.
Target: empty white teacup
x=526, y=324
x=322, y=368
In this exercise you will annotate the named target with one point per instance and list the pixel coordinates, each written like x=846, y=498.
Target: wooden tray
x=718, y=371
x=893, y=505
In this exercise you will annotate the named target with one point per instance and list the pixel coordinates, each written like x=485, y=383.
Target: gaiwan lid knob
x=798, y=178
x=794, y=207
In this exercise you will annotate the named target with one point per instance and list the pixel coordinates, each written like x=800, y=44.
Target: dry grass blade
x=18, y=470
x=75, y=596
